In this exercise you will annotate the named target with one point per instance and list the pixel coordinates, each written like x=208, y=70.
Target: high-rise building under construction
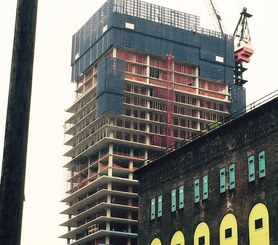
x=147, y=77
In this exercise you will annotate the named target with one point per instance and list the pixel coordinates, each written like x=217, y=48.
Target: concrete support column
x=130, y=175
x=129, y=241
x=107, y=240
x=197, y=82
x=148, y=69
x=227, y=92
x=146, y=154
x=110, y=160
x=108, y=214
x=114, y=52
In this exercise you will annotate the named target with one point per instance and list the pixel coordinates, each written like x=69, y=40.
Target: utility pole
x=17, y=123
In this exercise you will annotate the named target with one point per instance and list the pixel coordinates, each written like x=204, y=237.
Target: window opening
x=201, y=240
x=258, y=223
x=228, y=233
x=154, y=73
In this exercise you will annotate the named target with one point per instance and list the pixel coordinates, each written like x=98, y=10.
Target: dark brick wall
x=232, y=142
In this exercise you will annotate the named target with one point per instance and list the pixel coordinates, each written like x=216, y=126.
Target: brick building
x=220, y=188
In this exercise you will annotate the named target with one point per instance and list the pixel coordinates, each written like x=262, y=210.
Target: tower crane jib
x=215, y=16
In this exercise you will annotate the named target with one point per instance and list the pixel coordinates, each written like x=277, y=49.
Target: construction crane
x=215, y=16
x=243, y=49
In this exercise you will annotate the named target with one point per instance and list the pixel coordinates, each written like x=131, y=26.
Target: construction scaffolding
x=134, y=102
x=177, y=33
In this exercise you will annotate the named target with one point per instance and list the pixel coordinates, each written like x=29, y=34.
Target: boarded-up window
x=173, y=200
x=159, y=206
x=222, y=180
x=181, y=197
x=262, y=164
x=196, y=190
x=232, y=176
x=251, y=168
x=152, y=208
x=205, y=187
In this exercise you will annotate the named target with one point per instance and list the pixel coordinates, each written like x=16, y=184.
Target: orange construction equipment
x=170, y=102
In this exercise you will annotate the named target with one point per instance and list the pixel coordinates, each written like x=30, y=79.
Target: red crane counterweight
x=243, y=54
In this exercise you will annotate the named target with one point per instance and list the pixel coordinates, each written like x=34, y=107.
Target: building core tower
x=125, y=94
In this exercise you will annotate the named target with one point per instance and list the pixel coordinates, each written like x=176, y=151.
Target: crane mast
x=243, y=49
x=242, y=30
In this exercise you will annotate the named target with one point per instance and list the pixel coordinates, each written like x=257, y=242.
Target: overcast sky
x=52, y=91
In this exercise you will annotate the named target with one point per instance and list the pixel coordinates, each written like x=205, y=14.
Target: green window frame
x=181, y=197
x=152, y=208
x=232, y=176
x=222, y=180
x=173, y=200
x=196, y=190
x=205, y=187
x=261, y=164
x=159, y=206
x=251, y=168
